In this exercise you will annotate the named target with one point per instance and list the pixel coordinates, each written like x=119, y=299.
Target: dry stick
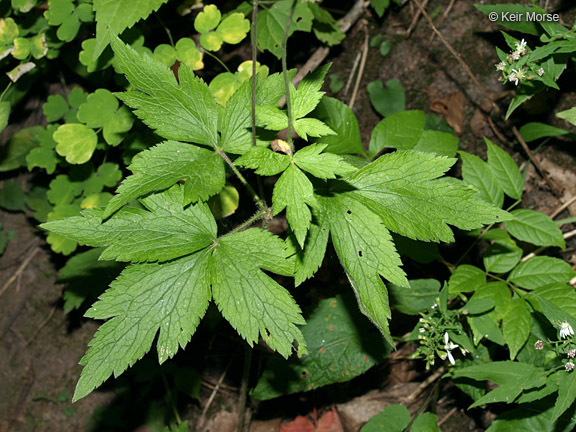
x=351, y=76
x=415, y=19
x=212, y=396
x=456, y=55
x=41, y=326
x=566, y=236
x=361, y=70
x=555, y=189
x=426, y=383
x=447, y=416
x=321, y=53
x=563, y=207
x=20, y=270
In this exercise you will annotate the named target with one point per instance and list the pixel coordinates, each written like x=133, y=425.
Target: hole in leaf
x=359, y=253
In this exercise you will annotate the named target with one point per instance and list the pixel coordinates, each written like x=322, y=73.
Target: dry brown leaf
x=452, y=109
x=330, y=422
x=299, y=424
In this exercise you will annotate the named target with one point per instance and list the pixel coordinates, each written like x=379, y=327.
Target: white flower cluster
x=517, y=73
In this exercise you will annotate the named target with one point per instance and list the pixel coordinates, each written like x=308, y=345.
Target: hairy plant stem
x=261, y=204
x=285, y=74
x=259, y=215
x=244, y=387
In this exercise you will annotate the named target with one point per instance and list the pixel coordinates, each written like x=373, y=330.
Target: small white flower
x=540, y=72
x=566, y=330
x=569, y=366
x=515, y=55
x=571, y=353
x=501, y=66
x=422, y=330
x=449, y=346
x=521, y=47
x=513, y=77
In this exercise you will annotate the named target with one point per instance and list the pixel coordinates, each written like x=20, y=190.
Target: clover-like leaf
x=234, y=28
x=76, y=142
x=67, y=17
x=208, y=19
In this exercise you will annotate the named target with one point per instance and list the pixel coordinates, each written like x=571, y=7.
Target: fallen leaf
x=452, y=109
x=299, y=424
x=330, y=422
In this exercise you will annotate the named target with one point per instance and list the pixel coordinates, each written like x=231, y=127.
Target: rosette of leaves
x=179, y=261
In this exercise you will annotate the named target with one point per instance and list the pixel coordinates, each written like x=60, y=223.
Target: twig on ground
x=447, y=416
x=213, y=395
x=321, y=53
x=244, y=388
x=553, y=186
x=415, y=19
x=456, y=55
x=361, y=70
x=426, y=383
x=351, y=75
x=41, y=326
x=20, y=270
x=566, y=236
x=563, y=207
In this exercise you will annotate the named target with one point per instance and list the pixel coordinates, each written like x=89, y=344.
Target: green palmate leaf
x=271, y=117
x=264, y=161
x=477, y=173
x=253, y=303
x=366, y=251
x=404, y=190
x=394, y=418
x=401, y=131
x=294, y=192
x=236, y=121
x=341, y=345
x=166, y=164
x=308, y=94
x=146, y=298
x=184, y=111
x=536, y=228
x=312, y=127
x=516, y=326
x=115, y=16
x=322, y=165
x=308, y=260
x=338, y=117
x=76, y=142
x=272, y=21
x=504, y=171
x=166, y=232
x=540, y=271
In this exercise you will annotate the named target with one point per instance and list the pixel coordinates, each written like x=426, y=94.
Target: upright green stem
x=285, y=73
x=5, y=90
x=169, y=394
x=218, y=60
